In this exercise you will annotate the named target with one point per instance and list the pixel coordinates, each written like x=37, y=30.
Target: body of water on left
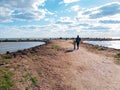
x=15, y=46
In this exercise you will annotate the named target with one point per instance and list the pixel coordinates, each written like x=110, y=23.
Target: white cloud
x=75, y=8
x=5, y=11
x=21, y=4
x=66, y=19
x=69, y=1
x=5, y=14
x=112, y=17
x=37, y=3
x=106, y=10
x=33, y=31
x=30, y=15
x=104, y=16
x=22, y=10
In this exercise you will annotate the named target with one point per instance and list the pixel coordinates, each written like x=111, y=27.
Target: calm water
x=110, y=44
x=15, y=46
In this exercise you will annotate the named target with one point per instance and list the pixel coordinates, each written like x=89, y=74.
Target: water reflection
x=110, y=44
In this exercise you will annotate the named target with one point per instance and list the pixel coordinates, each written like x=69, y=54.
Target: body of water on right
x=110, y=44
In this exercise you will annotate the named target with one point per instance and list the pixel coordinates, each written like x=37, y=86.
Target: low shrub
x=34, y=80
x=6, y=81
x=117, y=57
x=54, y=46
x=6, y=56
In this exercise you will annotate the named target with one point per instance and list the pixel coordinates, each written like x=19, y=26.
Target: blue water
x=21, y=38
x=15, y=46
x=109, y=44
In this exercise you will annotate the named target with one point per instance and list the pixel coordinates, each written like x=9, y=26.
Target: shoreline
x=101, y=47
x=46, y=42
x=22, y=40
x=104, y=51
x=111, y=52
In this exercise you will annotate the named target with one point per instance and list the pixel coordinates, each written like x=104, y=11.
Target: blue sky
x=59, y=18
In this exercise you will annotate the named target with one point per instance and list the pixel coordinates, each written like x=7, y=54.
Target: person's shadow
x=70, y=50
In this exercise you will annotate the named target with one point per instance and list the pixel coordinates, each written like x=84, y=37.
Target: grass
x=99, y=48
x=40, y=73
x=117, y=57
x=5, y=58
x=21, y=81
x=28, y=76
x=54, y=46
x=2, y=61
x=6, y=81
x=27, y=88
x=34, y=80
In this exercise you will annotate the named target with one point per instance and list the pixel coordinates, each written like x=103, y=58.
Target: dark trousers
x=78, y=45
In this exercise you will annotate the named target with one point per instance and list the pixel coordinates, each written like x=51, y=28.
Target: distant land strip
x=46, y=39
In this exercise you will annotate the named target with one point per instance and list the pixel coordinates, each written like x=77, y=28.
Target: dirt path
x=90, y=71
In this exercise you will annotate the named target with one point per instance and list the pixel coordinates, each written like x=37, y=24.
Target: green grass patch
x=6, y=81
x=34, y=80
x=117, y=57
x=21, y=81
x=3, y=61
x=26, y=76
x=55, y=47
x=5, y=58
x=99, y=48
x=40, y=73
x=27, y=88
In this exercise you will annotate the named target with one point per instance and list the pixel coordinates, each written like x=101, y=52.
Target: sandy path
x=90, y=71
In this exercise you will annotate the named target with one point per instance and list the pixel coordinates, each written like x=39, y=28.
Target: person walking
x=78, y=39
x=74, y=43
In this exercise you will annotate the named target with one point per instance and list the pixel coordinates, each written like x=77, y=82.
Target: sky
x=59, y=18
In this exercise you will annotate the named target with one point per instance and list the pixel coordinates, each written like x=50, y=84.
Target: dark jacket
x=78, y=39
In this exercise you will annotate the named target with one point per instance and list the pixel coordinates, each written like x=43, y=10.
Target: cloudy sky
x=59, y=18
